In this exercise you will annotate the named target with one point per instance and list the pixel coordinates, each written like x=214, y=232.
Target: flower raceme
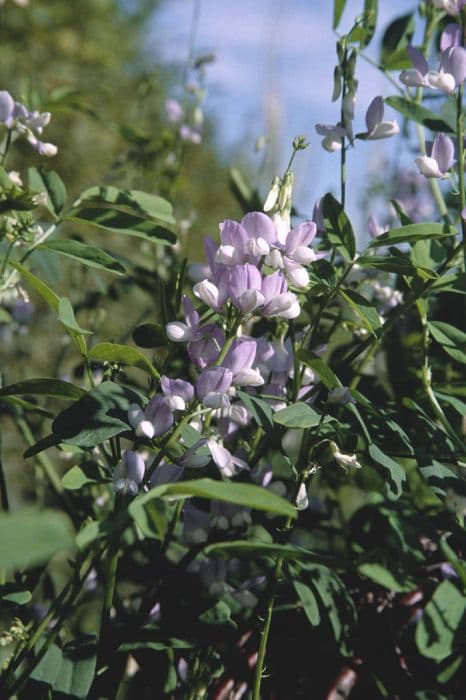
x=18, y=119
x=452, y=69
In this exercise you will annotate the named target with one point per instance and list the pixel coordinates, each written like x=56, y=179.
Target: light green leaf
x=413, y=233
x=321, y=368
x=124, y=355
x=299, y=415
x=419, y=114
x=31, y=537
x=86, y=254
x=440, y=631
x=42, y=180
x=363, y=308
x=246, y=495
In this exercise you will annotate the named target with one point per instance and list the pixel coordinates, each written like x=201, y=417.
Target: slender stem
x=460, y=151
x=259, y=674
x=343, y=140
x=427, y=382
x=3, y=488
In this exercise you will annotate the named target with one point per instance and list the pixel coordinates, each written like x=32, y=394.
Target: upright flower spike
x=440, y=159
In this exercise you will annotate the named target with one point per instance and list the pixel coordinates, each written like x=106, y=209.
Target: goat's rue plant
x=262, y=494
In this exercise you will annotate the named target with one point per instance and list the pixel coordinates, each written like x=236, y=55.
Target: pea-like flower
x=129, y=473
x=212, y=386
x=451, y=72
x=156, y=420
x=440, y=159
x=377, y=127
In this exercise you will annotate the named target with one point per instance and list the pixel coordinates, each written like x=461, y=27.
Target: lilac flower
x=451, y=7
x=7, y=105
x=174, y=110
x=129, y=473
x=374, y=228
x=205, y=351
x=451, y=36
x=440, y=160
x=377, y=128
x=246, y=241
x=177, y=392
x=190, y=135
x=166, y=474
x=451, y=73
x=277, y=300
x=333, y=135
x=179, y=332
x=244, y=287
x=156, y=420
x=228, y=464
x=15, y=115
x=212, y=386
x=318, y=216
x=240, y=359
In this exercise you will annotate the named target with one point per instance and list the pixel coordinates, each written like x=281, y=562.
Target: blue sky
x=274, y=71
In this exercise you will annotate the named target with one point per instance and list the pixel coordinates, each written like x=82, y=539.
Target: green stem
x=259, y=674
x=343, y=140
x=3, y=488
x=47, y=467
x=64, y=602
x=427, y=382
x=460, y=151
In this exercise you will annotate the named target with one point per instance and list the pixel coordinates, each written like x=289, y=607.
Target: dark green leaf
x=150, y=335
x=259, y=409
x=251, y=548
x=395, y=40
x=338, y=8
x=338, y=226
x=148, y=205
x=42, y=180
x=44, y=387
x=369, y=21
x=398, y=264
x=219, y=614
x=309, y=602
x=86, y=254
x=129, y=224
x=31, y=537
x=97, y=416
x=413, y=233
x=452, y=340
x=395, y=474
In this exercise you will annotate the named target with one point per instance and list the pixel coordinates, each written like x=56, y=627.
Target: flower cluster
x=452, y=69
x=20, y=121
x=246, y=280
